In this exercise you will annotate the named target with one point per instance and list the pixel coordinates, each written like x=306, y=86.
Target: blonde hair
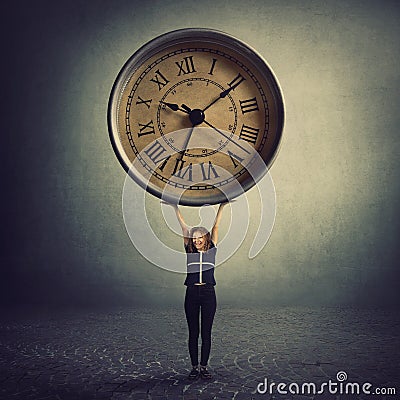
x=204, y=232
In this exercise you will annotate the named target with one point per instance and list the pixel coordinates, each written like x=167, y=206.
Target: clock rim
x=180, y=36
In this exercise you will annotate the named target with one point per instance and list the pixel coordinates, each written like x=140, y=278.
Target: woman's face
x=199, y=240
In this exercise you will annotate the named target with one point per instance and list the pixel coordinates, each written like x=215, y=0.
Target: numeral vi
x=181, y=172
x=207, y=174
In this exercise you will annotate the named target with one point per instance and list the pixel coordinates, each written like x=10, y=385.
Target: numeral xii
x=186, y=66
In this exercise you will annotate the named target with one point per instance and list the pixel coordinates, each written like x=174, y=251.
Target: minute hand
x=221, y=96
x=226, y=136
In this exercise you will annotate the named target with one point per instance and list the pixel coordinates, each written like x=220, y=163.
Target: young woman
x=200, y=246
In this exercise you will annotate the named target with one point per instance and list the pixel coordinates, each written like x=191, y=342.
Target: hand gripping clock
x=141, y=232
x=185, y=81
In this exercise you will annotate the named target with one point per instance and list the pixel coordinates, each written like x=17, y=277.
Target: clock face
x=189, y=113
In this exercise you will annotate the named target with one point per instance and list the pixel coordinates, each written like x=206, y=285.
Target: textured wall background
x=337, y=228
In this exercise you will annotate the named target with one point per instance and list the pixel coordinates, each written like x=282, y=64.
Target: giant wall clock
x=195, y=86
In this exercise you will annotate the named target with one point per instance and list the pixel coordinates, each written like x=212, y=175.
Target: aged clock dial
x=189, y=111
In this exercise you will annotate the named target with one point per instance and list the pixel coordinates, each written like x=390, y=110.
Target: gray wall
x=335, y=239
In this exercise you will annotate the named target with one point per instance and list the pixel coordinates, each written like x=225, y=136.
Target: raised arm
x=214, y=231
x=185, y=229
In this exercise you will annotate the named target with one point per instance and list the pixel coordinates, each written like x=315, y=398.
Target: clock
x=190, y=111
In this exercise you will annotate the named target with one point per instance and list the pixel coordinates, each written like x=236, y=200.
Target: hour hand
x=173, y=106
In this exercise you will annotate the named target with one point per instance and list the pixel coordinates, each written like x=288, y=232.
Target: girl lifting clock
x=200, y=299
x=185, y=79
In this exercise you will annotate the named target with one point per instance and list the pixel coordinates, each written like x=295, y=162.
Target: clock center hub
x=196, y=116
x=174, y=114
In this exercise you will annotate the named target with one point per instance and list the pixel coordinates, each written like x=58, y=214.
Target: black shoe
x=194, y=373
x=204, y=373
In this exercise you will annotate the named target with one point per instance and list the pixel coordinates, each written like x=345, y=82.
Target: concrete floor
x=142, y=353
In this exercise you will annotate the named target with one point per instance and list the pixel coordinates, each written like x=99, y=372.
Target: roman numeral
x=159, y=79
x=155, y=152
x=249, y=134
x=236, y=81
x=235, y=157
x=146, y=129
x=212, y=66
x=248, y=105
x=210, y=168
x=179, y=172
x=146, y=102
x=186, y=66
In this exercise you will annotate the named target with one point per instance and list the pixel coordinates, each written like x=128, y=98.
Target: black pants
x=200, y=299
